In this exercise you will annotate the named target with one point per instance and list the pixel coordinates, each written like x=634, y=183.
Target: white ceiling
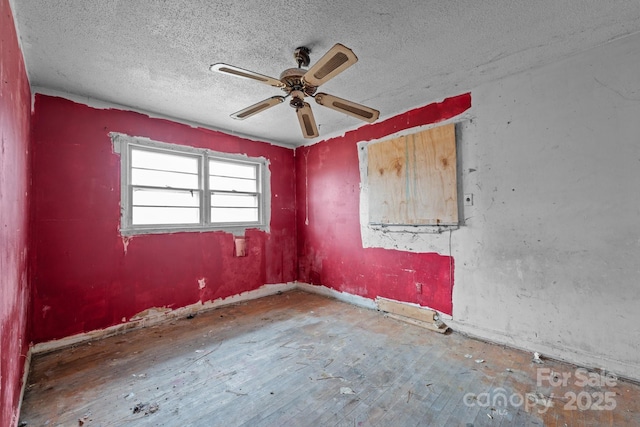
x=154, y=55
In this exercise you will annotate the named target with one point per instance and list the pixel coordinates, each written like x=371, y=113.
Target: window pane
x=155, y=178
x=236, y=170
x=163, y=161
x=153, y=197
x=234, y=200
x=234, y=215
x=143, y=215
x=232, y=184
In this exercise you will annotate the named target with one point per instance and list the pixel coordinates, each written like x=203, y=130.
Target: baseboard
x=157, y=315
x=626, y=371
x=154, y=316
x=25, y=378
x=342, y=296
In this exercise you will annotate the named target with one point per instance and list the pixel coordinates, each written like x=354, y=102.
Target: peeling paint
x=150, y=313
x=155, y=316
x=15, y=173
x=202, y=283
x=125, y=242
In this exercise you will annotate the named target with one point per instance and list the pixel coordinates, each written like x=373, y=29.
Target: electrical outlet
x=468, y=199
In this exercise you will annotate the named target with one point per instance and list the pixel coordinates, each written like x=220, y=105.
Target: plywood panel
x=412, y=179
x=414, y=315
x=387, y=177
x=406, y=310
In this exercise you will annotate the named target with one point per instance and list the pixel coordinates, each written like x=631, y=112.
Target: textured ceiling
x=154, y=55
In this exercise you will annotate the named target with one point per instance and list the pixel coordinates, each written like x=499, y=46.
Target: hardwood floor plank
x=383, y=390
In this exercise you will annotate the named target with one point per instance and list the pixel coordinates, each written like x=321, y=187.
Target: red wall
x=15, y=114
x=83, y=278
x=330, y=249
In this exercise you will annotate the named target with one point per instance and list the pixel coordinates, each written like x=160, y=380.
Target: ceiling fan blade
x=246, y=74
x=335, y=61
x=347, y=107
x=307, y=121
x=257, y=108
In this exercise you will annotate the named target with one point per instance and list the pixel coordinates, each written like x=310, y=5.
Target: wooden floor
x=299, y=359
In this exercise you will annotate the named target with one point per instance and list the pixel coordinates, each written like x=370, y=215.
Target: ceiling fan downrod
x=301, y=54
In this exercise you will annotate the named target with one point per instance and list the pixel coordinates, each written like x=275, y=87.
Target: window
x=168, y=187
x=234, y=190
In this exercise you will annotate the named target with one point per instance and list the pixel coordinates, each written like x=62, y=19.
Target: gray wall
x=549, y=258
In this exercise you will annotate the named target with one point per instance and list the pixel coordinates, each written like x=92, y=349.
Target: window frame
x=124, y=144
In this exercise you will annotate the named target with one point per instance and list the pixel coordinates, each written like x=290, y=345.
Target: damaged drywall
x=552, y=158
x=157, y=315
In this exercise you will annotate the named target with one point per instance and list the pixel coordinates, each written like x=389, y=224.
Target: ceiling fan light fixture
x=296, y=103
x=297, y=99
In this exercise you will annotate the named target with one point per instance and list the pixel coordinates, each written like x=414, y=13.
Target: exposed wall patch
x=240, y=246
x=125, y=242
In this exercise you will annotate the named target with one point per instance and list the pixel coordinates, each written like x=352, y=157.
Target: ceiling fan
x=299, y=83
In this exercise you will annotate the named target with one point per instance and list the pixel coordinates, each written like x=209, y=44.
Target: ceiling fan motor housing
x=292, y=80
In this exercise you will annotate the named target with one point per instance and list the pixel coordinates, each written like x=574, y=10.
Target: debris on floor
x=537, y=358
x=84, y=419
x=479, y=360
x=146, y=408
x=346, y=390
x=469, y=356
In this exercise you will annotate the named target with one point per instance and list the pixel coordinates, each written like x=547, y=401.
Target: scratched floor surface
x=299, y=359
